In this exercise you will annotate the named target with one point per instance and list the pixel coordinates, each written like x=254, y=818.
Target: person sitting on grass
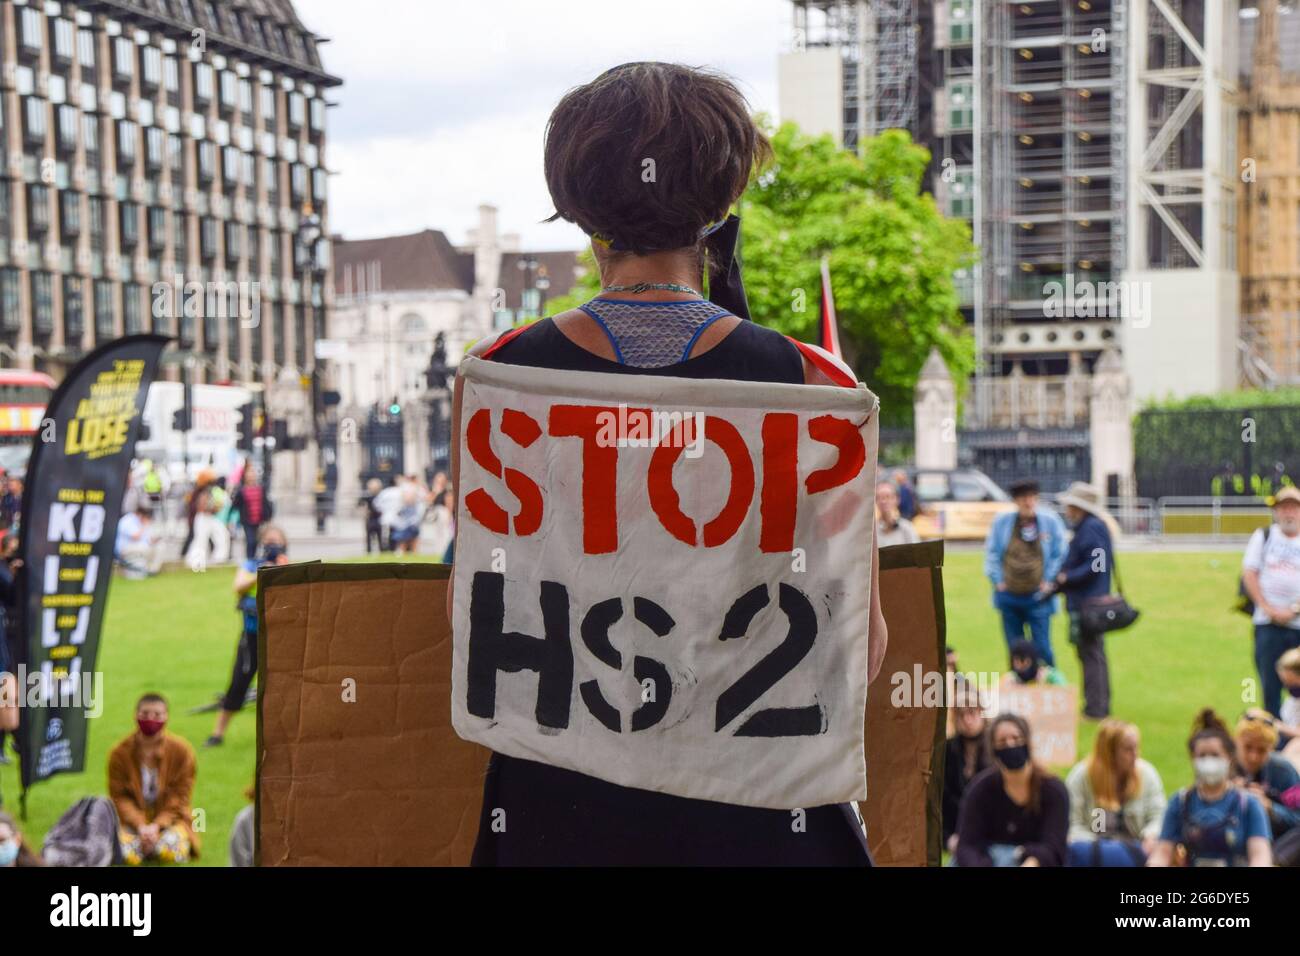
x=966, y=755
x=1213, y=823
x=274, y=550
x=1288, y=723
x=13, y=848
x=1015, y=813
x=1117, y=801
x=1028, y=668
x=1267, y=775
x=150, y=780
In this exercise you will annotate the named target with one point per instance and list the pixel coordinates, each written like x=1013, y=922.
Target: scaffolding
x=877, y=43
x=1051, y=143
x=1268, y=239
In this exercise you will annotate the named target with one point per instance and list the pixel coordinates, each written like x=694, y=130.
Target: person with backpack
x=1271, y=579
x=1022, y=556
x=1213, y=823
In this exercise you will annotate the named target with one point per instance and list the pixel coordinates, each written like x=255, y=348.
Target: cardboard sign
x=905, y=745
x=1053, y=716
x=354, y=719
x=669, y=591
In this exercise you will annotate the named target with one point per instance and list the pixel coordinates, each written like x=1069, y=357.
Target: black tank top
x=556, y=817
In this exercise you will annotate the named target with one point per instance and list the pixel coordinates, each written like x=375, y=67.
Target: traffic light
x=245, y=428
x=183, y=417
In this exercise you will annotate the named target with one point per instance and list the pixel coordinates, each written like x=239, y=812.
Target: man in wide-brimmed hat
x=1085, y=573
x=1271, y=575
x=1022, y=554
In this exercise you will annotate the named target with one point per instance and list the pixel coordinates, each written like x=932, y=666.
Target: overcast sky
x=444, y=103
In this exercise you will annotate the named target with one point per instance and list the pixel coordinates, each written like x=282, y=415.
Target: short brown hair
x=693, y=124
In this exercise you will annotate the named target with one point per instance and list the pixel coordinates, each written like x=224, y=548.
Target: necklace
x=647, y=286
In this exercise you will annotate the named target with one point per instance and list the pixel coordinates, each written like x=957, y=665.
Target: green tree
x=892, y=255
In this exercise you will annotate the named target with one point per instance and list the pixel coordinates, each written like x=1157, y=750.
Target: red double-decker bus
x=23, y=397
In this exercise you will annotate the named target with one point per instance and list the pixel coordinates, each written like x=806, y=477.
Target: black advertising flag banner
x=71, y=505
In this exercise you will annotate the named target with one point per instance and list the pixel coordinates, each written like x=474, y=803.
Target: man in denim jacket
x=1022, y=555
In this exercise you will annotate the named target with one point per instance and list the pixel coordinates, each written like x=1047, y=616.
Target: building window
x=207, y=161
x=256, y=335
x=34, y=120
x=86, y=53
x=10, y=309
x=961, y=106
x=297, y=181
x=151, y=66
x=126, y=137
x=30, y=31
x=961, y=22
x=234, y=244
x=67, y=128
x=38, y=208
x=175, y=154
x=90, y=137
x=129, y=213
x=318, y=116
x=123, y=59
x=171, y=75
x=64, y=40
x=319, y=186
x=181, y=237
x=154, y=148
x=272, y=179
x=254, y=252
x=208, y=238
x=74, y=315
x=274, y=241
x=131, y=315
x=103, y=310
x=203, y=82
x=229, y=166
x=297, y=110
x=42, y=303
x=245, y=99
x=248, y=165
x=96, y=216
x=157, y=228
x=229, y=90
x=268, y=106
x=70, y=214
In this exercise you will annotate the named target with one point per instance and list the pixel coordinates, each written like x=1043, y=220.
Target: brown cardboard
x=904, y=804
x=385, y=780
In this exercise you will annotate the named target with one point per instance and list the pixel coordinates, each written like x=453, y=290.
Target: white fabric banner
x=665, y=583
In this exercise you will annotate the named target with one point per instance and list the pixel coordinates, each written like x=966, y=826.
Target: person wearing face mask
x=1014, y=813
x=1117, y=801
x=1271, y=576
x=13, y=849
x=966, y=754
x=1213, y=823
x=150, y=781
x=273, y=549
x=1028, y=668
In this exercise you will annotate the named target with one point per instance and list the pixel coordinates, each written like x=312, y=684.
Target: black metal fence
x=1054, y=457
x=1216, y=451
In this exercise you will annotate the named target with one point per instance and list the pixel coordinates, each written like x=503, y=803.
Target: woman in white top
x=1117, y=801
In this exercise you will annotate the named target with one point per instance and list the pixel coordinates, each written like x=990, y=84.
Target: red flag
x=830, y=331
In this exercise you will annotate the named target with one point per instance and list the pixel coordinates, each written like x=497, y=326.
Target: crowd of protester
x=395, y=515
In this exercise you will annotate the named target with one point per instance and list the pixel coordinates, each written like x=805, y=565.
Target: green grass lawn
x=177, y=633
